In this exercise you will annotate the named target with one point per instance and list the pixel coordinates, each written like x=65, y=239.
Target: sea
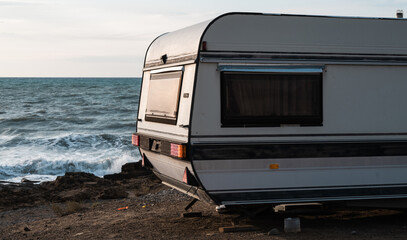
x=49, y=126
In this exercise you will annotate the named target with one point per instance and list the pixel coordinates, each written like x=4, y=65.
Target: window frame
x=159, y=118
x=271, y=121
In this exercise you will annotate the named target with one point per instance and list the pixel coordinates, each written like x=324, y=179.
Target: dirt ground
x=155, y=213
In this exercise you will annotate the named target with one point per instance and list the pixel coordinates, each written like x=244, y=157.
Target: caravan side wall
x=359, y=152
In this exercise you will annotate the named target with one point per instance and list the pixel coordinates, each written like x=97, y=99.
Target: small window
x=163, y=97
x=271, y=98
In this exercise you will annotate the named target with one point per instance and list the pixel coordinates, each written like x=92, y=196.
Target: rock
x=132, y=167
x=129, y=170
x=27, y=181
x=273, y=231
x=354, y=232
x=117, y=176
x=27, y=229
x=74, y=186
x=79, y=186
x=72, y=180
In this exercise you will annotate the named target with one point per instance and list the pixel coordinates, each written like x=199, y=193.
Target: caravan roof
x=274, y=33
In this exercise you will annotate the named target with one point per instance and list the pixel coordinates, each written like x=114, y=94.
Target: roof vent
x=399, y=14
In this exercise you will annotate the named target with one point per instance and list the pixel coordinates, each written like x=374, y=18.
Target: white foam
x=33, y=177
x=97, y=154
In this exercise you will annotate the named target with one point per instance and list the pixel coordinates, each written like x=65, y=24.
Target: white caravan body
x=255, y=108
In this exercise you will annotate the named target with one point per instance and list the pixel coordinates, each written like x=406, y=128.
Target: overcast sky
x=108, y=38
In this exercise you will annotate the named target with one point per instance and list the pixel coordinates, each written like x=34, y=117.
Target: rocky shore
x=78, y=187
x=134, y=204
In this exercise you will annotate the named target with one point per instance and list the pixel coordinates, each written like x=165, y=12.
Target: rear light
x=178, y=150
x=185, y=177
x=189, y=178
x=135, y=139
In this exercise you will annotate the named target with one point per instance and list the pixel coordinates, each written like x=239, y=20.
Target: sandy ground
x=155, y=213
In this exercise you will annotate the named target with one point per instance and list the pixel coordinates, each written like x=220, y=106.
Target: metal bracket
x=191, y=204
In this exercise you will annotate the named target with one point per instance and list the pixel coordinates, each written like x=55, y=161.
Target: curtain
x=272, y=96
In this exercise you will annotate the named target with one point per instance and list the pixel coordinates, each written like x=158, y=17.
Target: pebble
x=353, y=232
x=27, y=229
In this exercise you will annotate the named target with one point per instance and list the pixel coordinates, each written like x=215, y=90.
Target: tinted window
x=251, y=99
x=163, y=97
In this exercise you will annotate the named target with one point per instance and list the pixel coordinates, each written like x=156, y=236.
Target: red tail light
x=178, y=150
x=135, y=139
x=189, y=178
x=185, y=177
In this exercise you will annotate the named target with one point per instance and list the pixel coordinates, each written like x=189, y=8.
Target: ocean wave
x=5, y=175
x=43, y=120
x=48, y=167
x=78, y=120
x=121, y=125
x=71, y=141
x=124, y=97
x=27, y=118
x=10, y=141
x=101, y=141
x=100, y=155
x=35, y=102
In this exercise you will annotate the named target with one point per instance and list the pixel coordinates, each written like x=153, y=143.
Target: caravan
x=255, y=108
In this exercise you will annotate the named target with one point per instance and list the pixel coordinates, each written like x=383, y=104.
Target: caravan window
x=163, y=97
x=271, y=98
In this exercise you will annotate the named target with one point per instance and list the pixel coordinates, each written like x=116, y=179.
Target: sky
x=108, y=38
